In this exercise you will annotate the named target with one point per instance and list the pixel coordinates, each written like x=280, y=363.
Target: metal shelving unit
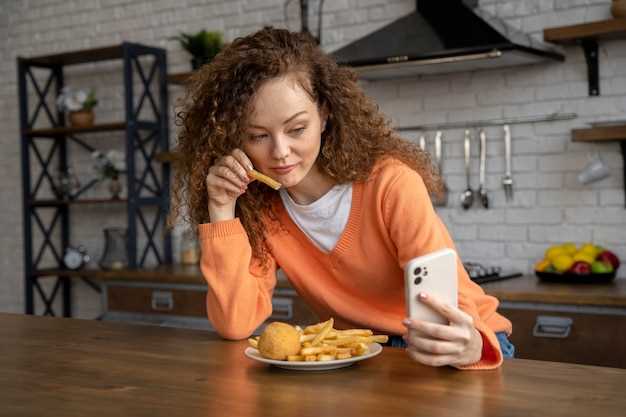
x=147, y=179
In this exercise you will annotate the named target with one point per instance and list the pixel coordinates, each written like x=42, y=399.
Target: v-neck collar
x=347, y=235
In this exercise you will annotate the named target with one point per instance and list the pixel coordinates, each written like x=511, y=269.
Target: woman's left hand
x=455, y=344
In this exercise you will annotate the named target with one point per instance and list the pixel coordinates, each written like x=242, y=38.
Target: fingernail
x=406, y=321
x=422, y=296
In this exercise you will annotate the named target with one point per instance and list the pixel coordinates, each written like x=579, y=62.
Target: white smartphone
x=436, y=274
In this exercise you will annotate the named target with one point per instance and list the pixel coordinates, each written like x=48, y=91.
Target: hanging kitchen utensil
x=482, y=190
x=507, y=180
x=441, y=199
x=467, y=197
x=422, y=142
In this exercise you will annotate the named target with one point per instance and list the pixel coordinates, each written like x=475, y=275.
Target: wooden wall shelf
x=178, y=78
x=600, y=134
x=587, y=35
x=68, y=130
x=604, y=29
x=99, y=201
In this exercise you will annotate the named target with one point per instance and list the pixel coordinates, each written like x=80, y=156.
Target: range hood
x=442, y=36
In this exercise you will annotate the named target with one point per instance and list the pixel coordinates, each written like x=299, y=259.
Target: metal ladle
x=482, y=190
x=467, y=197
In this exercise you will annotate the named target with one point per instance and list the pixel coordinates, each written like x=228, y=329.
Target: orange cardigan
x=360, y=282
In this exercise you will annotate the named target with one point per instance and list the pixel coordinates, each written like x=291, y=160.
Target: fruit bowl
x=576, y=278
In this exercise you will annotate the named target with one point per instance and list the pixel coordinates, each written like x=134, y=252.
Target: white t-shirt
x=324, y=219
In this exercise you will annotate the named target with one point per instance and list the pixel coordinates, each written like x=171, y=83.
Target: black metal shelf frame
x=144, y=139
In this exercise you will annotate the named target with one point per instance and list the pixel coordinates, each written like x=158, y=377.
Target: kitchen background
x=550, y=205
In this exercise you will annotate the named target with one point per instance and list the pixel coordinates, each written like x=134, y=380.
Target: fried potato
x=256, y=175
x=253, y=342
x=278, y=341
x=323, y=333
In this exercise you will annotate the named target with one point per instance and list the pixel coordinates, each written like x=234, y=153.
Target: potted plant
x=79, y=104
x=110, y=166
x=202, y=46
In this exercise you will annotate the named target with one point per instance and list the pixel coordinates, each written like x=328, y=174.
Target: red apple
x=580, y=268
x=609, y=257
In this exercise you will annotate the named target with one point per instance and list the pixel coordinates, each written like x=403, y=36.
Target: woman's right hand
x=226, y=181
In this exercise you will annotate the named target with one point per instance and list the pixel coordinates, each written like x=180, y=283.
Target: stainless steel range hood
x=442, y=36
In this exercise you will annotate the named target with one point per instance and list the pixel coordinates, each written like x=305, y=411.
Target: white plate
x=253, y=353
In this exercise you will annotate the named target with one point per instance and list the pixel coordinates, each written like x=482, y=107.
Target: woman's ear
x=324, y=117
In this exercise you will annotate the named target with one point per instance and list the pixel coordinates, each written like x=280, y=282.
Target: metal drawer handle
x=551, y=326
x=162, y=300
x=282, y=308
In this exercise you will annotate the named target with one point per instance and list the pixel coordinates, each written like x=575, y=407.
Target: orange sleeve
x=416, y=230
x=239, y=296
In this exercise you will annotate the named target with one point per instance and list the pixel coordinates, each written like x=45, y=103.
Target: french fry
x=310, y=358
x=322, y=357
x=314, y=328
x=346, y=355
x=295, y=358
x=360, y=349
x=307, y=337
x=253, y=342
x=342, y=341
x=316, y=350
x=355, y=332
x=322, y=334
x=256, y=175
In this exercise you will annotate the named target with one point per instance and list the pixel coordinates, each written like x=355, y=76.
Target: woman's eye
x=258, y=137
x=298, y=131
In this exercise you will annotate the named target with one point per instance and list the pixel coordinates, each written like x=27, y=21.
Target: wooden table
x=68, y=367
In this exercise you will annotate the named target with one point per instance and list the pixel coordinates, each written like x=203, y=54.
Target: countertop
x=522, y=289
x=69, y=367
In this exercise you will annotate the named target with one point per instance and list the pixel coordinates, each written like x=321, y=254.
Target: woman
x=354, y=205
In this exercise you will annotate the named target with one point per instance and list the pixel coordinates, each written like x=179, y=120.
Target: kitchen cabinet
x=580, y=323
x=176, y=296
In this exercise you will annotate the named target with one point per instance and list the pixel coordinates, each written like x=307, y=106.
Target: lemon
x=563, y=262
x=584, y=257
x=569, y=248
x=591, y=249
x=542, y=265
x=553, y=252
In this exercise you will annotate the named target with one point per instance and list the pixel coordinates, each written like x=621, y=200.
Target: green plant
x=203, y=45
x=75, y=100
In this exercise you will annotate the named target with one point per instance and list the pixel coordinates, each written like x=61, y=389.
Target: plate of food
x=318, y=347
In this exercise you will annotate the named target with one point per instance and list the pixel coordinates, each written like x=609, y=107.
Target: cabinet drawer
x=146, y=300
x=563, y=336
x=286, y=305
x=289, y=308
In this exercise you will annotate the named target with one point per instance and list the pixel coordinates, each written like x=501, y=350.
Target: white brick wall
x=549, y=206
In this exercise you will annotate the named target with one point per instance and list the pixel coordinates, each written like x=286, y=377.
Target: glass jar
x=189, y=248
x=115, y=254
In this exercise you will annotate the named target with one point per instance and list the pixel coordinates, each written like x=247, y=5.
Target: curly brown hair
x=214, y=115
